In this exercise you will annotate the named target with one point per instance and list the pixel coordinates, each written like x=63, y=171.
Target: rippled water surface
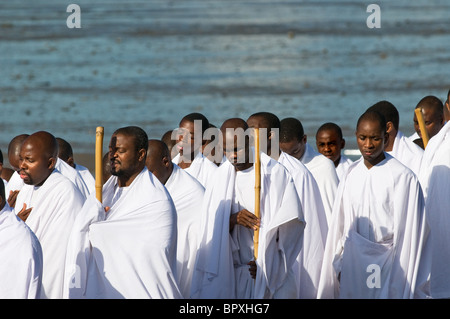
x=148, y=63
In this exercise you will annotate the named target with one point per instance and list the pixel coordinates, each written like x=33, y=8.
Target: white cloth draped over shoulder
x=201, y=168
x=73, y=175
x=407, y=152
x=378, y=236
x=435, y=180
x=187, y=195
x=280, y=235
x=21, y=258
x=325, y=175
x=87, y=177
x=309, y=262
x=55, y=206
x=130, y=252
x=343, y=166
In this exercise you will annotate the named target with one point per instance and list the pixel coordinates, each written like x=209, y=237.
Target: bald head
x=158, y=160
x=65, y=151
x=14, y=150
x=38, y=156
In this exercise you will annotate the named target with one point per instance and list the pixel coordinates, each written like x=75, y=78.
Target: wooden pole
x=423, y=130
x=257, y=192
x=99, y=132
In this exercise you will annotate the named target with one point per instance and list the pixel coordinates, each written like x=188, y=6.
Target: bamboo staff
x=423, y=130
x=257, y=192
x=99, y=132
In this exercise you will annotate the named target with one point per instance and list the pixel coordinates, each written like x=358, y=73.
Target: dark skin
x=330, y=144
x=233, y=152
x=371, y=141
x=187, y=141
x=158, y=160
x=37, y=160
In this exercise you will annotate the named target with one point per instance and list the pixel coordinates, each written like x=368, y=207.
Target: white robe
x=73, y=175
x=15, y=183
x=280, y=237
x=324, y=172
x=407, y=152
x=343, y=166
x=377, y=236
x=435, y=180
x=201, y=168
x=130, y=252
x=187, y=195
x=309, y=262
x=87, y=177
x=21, y=258
x=55, y=205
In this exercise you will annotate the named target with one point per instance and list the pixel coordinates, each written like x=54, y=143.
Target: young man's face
x=433, y=122
x=294, y=148
x=371, y=141
x=329, y=144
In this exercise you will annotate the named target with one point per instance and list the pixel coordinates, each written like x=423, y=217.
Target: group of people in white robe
x=176, y=221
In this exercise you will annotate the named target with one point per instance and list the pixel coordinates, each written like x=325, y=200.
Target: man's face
x=294, y=148
x=189, y=138
x=124, y=157
x=329, y=144
x=371, y=142
x=34, y=166
x=433, y=122
x=236, y=150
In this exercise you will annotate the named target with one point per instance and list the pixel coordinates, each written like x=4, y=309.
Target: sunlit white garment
x=130, y=252
x=377, y=236
x=87, y=177
x=309, y=262
x=407, y=152
x=21, y=258
x=325, y=175
x=201, y=168
x=187, y=195
x=343, y=166
x=55, y=206
x=15, y=183
x=280, y=236
x=435, y=180
x=73, y=175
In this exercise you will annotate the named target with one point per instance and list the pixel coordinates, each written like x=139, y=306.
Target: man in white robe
x=187, y=195
x=189, y=144
x=309, y=262
x=225, y=266
x=20, y=255
x=125, y=246
x=398, y=145
x=293, y=141
x=48, y=202
x=435, y=180
x=377, y=238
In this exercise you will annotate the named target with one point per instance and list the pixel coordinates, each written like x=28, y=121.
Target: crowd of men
x=178, y=218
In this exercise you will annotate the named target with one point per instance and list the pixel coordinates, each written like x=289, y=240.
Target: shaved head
x=158, y=160
x=37, y=159
x=14, y=150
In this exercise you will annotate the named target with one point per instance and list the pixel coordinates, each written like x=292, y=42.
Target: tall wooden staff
x=99, y=132
x=423, y=130
x=257, y=192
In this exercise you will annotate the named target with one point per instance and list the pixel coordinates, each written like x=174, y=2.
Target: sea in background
x=149, y=63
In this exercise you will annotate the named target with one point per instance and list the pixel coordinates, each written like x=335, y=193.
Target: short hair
x=290, y=129
x=388, y=110
x=372, y=115
x=64, y=149
x=271, y=119
x=140, y=136
x=192, y=117
x=433, y=103
x=2, y=190
x=332, y=127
